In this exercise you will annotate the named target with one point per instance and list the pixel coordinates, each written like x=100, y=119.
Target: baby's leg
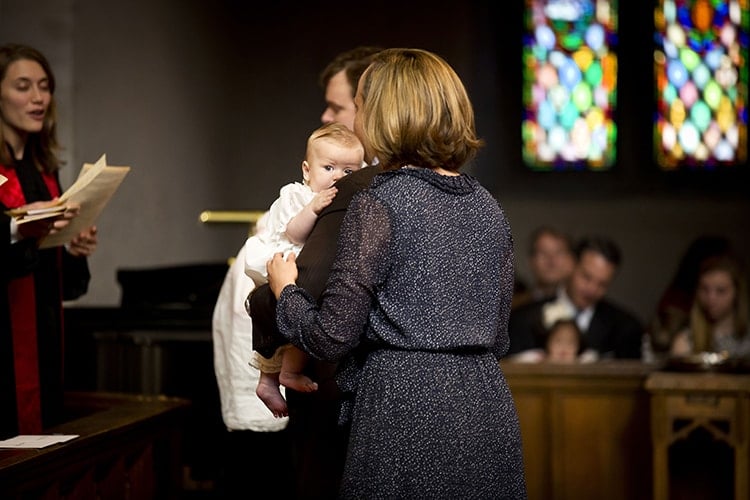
x=291, y=375
x=268, y=392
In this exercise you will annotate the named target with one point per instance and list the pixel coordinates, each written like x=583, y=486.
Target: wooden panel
x=532, y=409
x=585, y=429
x=601, y=445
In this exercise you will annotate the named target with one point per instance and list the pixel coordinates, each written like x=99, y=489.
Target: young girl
x=564, y=343
x=719, y=314
x=333, y=151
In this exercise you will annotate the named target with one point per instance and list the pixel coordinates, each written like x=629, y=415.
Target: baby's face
x=328, y=162
x=562, y=346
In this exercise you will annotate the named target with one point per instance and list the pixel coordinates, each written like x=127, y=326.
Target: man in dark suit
x=608, y=329
x=318, y=441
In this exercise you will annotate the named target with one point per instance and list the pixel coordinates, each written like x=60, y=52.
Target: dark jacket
x=319, y=442
x=613, y=332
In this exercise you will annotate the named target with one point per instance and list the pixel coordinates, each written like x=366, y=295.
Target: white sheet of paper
x=36, y=441
x=40, y=211
x=41, y=215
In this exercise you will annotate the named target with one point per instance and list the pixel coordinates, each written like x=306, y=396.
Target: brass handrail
x=230, y=216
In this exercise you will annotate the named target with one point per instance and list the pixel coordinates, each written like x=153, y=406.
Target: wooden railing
x=129, y=448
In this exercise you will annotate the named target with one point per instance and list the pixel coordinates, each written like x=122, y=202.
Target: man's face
x=552, y=261
x=339, y=101
x=590, y=280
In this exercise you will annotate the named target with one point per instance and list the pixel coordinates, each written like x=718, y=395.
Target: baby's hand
x=323, y=199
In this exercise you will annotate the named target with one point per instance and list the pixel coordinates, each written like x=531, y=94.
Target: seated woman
x=564, y=343
x=719, y=315
x=672, y=313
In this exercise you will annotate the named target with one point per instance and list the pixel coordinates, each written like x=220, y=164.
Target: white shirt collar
x=583, y=317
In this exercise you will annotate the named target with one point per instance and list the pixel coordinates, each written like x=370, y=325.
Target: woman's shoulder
x=359, y=179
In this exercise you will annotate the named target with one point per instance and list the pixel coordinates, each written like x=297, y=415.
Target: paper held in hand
x=39, y=213
x=92, y=190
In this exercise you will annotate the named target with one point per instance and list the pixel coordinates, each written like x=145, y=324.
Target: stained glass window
x=701, y=73
x=570, y=84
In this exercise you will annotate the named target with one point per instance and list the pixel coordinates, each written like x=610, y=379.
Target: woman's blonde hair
x=43, y=146
x=700, y=326
x=415, y=111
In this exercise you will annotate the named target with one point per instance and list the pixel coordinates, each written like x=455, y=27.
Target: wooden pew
x=129, y=447
x=585, y=429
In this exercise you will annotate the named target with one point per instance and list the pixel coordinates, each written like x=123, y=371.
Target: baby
x=333, y=151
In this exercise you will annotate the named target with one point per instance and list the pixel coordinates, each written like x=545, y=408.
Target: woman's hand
x=71, y=212
x=84, y=244
x=40, y=228
x=281, y=272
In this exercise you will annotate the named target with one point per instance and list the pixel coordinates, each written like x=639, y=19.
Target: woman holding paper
x=34, y=281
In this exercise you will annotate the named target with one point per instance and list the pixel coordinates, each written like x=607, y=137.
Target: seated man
x=608, y=329
x=551, y=261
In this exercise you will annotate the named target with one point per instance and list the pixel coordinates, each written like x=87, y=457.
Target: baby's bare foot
x=297, y=381
x=269, y=393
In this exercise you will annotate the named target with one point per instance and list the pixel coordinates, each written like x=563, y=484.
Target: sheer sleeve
x=502, y=340
x=335, y=328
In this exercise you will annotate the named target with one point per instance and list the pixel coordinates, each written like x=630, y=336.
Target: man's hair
x=604, y=246
x=552, y=231
x=354, y=62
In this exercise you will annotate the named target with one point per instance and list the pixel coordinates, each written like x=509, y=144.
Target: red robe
x=34, y=284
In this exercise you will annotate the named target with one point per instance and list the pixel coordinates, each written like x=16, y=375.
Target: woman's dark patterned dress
x=416, y=307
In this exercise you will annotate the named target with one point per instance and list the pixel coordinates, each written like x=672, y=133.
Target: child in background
x=564, y=343
x=333, y=151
